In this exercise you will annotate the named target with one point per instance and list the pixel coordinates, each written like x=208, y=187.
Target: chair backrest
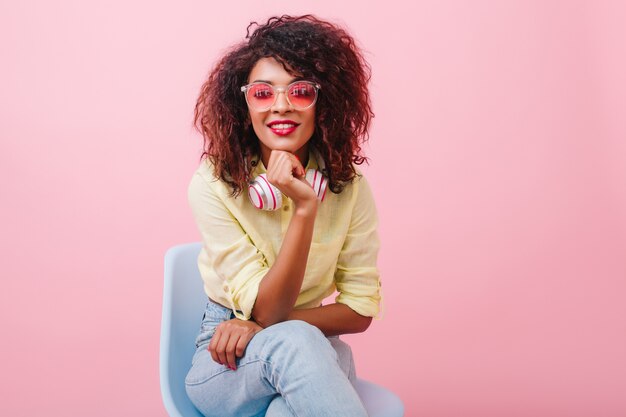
x=184, y=301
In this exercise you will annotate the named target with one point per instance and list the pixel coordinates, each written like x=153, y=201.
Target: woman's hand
x=230, y=340
x=286, y=172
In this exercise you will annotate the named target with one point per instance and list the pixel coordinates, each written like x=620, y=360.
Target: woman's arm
x=356, y=276
x=333, y=319
x=280, y=287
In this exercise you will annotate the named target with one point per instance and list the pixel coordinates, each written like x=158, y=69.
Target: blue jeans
x=288, y=369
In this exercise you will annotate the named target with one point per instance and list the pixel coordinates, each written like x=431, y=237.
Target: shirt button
x=286, y=208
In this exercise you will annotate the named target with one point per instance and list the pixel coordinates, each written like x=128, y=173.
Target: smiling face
x=281, y=127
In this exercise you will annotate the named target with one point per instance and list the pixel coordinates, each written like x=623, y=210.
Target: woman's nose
x=281, y=104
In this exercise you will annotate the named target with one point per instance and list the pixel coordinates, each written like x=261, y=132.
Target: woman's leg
x=344, y=357
x=292, y=359
x=279, y=408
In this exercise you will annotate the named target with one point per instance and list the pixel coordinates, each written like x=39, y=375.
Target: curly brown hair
x=319, y=51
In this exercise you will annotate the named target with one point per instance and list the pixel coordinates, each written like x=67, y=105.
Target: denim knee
x=299, y=329
x=297, y=332
x=294, y=337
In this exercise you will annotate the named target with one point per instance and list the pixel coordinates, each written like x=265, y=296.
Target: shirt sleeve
x=231, y=254
x=357, y=276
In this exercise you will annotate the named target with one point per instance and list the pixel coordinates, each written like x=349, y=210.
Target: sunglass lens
x=260, y=96
x=302, y=95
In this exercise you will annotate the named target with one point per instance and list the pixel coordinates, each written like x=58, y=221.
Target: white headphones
x=266, y=196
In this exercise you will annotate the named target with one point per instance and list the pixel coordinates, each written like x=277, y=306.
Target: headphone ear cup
x=318, y=181
x=264, y=195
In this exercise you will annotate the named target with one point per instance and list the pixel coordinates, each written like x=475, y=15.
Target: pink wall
x=499, y=164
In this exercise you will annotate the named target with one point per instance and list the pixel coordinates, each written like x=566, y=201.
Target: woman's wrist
x=306, y=208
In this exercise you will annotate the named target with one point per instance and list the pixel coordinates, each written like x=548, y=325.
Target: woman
x=286, y=220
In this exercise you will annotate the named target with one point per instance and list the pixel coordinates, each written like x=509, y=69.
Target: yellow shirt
x=241, y=242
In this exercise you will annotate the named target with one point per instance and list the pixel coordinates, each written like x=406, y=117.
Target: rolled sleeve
x=357, y=277
x=230, y=264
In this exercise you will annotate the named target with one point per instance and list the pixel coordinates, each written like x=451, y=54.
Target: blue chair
x=184, y=301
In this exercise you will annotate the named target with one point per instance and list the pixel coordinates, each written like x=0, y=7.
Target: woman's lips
x=283, y=129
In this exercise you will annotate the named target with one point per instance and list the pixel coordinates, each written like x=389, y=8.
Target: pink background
x=498, y=162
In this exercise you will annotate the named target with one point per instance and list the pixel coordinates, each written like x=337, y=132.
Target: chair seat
x=379, y=401
x=183, y=304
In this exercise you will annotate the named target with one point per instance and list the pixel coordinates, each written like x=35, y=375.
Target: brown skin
x=281, y=286
x=268, y=69
x=230, y=340
x=231, y=337
x=333, y=319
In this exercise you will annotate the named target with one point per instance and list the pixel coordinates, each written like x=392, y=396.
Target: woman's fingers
x=282, y=166
x=220, y=348
x=297, y=168
x=287, y=173
x=242, y=343
x=213, y=345
x=230, y=340
x=230, y=350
